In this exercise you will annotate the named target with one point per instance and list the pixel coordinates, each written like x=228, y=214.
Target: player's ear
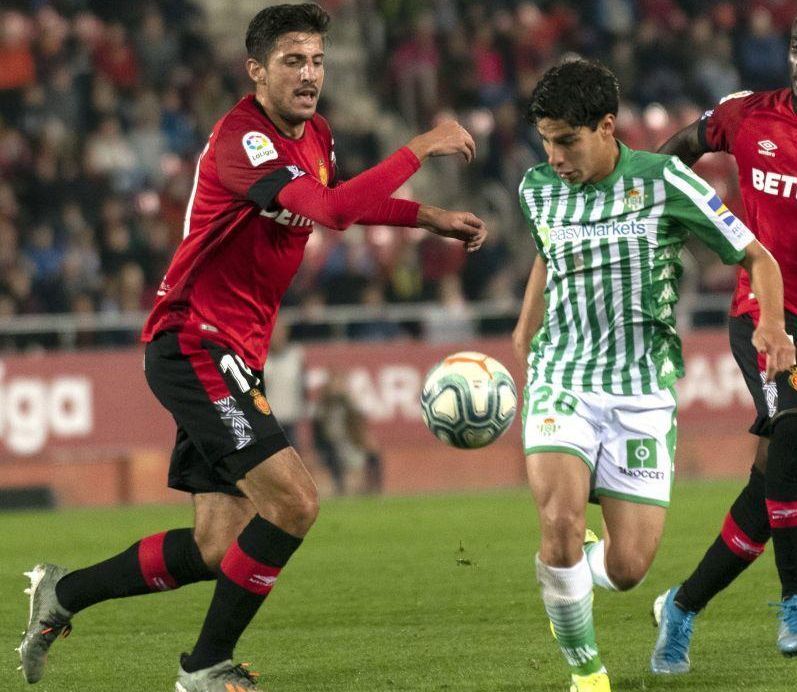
x=606, y=125
x=256, y=71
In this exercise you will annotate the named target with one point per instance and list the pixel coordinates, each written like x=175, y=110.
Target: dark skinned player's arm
x=687, y=144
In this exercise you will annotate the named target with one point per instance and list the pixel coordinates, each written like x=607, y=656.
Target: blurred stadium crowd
x=104, y=107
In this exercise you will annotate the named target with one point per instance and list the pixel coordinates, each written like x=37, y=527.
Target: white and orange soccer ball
x=468, y=400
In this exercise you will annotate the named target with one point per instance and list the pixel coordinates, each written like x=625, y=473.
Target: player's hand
x=462, y=225
x=778, y=347
x=449, y=137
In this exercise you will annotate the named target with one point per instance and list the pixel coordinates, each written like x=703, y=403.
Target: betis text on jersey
x=612, y=253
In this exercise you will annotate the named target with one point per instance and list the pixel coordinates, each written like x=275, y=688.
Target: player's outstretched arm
x=531, y=312
x=769, y=336
x=462, y=225
x=358, y=198
x=685, y=144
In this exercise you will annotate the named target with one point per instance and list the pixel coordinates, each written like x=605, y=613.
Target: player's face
x=290, y=81
x=579, y=154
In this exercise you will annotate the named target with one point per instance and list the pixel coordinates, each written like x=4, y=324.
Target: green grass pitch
x=426, y=593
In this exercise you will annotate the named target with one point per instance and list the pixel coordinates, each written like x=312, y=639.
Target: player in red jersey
x=760, y=131
x=266, y=174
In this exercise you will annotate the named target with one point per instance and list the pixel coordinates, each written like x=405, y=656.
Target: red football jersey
x=236, y=260
x=760, y=130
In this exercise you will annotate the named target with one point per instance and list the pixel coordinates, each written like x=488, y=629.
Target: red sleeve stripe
x=247, y=572
x=782, y=515
x=153, y=563
x=204, y=366
x=739, y=542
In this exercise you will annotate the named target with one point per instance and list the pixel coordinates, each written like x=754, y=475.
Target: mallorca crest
x=260, y=401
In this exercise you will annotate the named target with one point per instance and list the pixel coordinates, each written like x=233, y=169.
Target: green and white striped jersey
x=612, y=253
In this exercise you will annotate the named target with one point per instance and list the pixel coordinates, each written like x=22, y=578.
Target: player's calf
x=249, y=571
x=567, y=596
x=781, y=497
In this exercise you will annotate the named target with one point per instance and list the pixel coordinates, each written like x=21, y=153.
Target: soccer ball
x=468, y=400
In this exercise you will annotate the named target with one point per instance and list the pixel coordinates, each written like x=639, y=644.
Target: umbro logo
x=767, y=147
x=782, y=513
x=262, y=579
x=745, y=546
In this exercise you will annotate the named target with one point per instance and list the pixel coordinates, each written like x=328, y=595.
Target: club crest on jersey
x=634, y=200
x=260, y=402
x=323, y=173
x=548, y=427
x=767, y=147
x=258, y=148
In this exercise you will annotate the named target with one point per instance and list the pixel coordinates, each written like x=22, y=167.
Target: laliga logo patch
x=793, y=377
x=258, y=148
x=323, y=174
x=260, y=402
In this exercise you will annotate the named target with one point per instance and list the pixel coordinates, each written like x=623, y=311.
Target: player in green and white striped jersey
x=597, y=330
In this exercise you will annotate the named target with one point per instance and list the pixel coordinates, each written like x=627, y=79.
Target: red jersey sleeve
x=718, y=127
x=351, y=201
x=246, y=157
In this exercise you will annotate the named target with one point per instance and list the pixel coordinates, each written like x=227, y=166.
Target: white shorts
x=628, y=442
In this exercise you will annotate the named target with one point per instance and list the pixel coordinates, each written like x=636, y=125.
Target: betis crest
x=634, y=200
x=548, y=427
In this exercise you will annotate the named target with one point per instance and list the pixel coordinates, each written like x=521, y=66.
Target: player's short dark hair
x=579, y=92
x=272, y=22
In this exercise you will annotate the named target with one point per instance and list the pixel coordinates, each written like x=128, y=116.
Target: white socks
x=596, y=557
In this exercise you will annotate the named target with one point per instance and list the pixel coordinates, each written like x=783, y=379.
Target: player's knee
x=782, y=457
x=212, y=546
x=305, y=506
x=295, y=508
x=626, y=572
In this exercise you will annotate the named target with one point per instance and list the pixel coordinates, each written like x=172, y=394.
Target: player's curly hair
x=580, y=92
x=270, y=23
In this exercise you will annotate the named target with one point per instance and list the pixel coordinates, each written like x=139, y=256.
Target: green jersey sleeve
x=694, y=203
x=527, y=200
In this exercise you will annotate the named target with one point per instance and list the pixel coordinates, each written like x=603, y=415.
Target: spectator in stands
x=343, y=440
x=373, y=326
x=284, y=381
x=762, y=52
x=106, y=98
